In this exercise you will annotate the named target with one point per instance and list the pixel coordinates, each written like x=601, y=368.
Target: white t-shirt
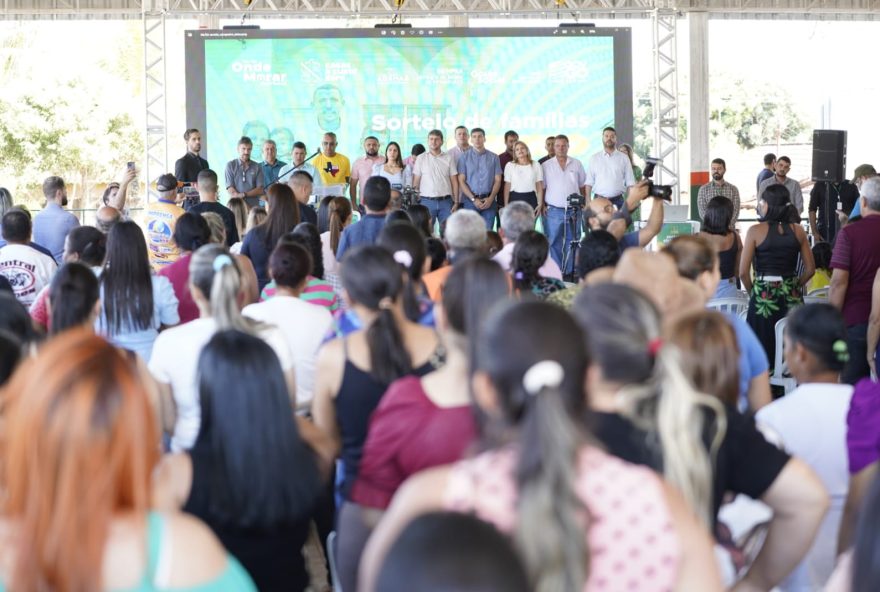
x=175, y=362
x=331, y=265
x=304, y=326
x=811, y=421
x=523, y=177
x=27, y=269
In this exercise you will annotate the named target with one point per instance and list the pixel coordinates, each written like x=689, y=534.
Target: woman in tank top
x=582, y=520
x=772, y=247
x=726, y=242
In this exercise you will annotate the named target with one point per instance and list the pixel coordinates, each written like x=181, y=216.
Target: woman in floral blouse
x=773, y=247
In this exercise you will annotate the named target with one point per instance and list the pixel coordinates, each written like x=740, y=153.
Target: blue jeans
x=488, y=215
x=440, y=209
x=561, y=230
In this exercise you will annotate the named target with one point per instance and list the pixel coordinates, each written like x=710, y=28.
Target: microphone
x=294, y=169
x=317, y=152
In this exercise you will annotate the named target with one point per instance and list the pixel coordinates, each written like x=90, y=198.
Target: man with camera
x=602, y=215
x=564, y=195
x=610, y=172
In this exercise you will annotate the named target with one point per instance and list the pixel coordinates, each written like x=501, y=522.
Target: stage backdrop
x=399, y=84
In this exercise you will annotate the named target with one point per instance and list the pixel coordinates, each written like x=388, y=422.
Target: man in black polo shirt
x=187, y=168
x=207, y=184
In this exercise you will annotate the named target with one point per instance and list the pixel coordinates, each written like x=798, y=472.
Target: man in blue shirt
x=377, y=196
x=271, y=165
x=479, y=178
x=54, y=222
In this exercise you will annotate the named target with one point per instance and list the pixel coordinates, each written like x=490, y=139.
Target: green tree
x=754, y=115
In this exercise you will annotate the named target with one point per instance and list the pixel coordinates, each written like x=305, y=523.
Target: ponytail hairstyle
x=371, y=278
x=191, y=231
x=540, y=389
x=216, y=275
x=624, y=336
x=820, y=329
x=693, y=255
x=529, y=254
x=88, y=243
x=407, y=245
x=73, y=293
x=339, y=211
x=779, y=208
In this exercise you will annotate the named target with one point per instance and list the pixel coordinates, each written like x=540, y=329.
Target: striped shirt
x=317, y=292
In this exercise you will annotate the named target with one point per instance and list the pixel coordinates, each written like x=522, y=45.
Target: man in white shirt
x=609, y=173
x=516, y=218
x=435, y=176
x=563, y=177
x=27, y=269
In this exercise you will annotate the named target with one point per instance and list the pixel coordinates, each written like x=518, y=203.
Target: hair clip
x=840, y=350
x=544, y=374
x=221, y=261
x=403, y=258
x=518, y=275
x=386, y=303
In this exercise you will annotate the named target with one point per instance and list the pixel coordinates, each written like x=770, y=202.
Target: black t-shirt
x=188, y=167
x=745, y=463
x=225, y=213
x=308, y=214
x=845, y=192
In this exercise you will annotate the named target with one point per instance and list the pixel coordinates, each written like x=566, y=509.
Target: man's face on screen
x=560, y=147
x=327, y=104
x=434, y=143
x=371, y=147
x=609, y=139
x=298, y=156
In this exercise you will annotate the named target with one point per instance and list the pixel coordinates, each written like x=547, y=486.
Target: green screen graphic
x=399, y=88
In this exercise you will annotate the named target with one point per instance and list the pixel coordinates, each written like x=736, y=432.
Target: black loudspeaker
x=829, y=155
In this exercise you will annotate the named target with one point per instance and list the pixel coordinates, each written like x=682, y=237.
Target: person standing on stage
x=479, y=178
x=271, y=165
x=718, y=187
x=362, y=169
x=333, y=168
x=436, y=178
x=298, y=162
x=610, y=173
x=188, y=167
x=563, y=176
x=244, y=177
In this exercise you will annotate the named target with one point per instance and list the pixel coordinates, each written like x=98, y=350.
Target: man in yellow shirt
x=332, y=167
x=161, y=218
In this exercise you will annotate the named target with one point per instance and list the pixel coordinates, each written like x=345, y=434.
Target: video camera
x=575, y=200
x=663, y=192
x=409, y=195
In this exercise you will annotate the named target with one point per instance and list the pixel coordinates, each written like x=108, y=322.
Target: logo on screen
x=566, y=71
x=311, y=71
x=259, y=72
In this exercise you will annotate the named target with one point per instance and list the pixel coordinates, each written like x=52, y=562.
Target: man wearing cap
x=783, y=165
x=862, y=173
x=244, y=177
x=161, y=218
x=844, y=196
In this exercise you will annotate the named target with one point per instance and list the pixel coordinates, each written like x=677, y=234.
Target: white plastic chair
x=780, y=368
x=331, y=560
x=737, y=305
x=817, y=296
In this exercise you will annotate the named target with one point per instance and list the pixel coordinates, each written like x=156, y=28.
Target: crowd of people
x=408, y=385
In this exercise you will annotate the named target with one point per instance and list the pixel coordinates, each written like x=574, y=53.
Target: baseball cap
x=864, y=170
x=166, y=182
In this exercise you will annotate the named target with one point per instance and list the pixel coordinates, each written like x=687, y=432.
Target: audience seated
x=598, y=254
x=249, y=291
x=465, y=236
x=27, y=269
x=79, y=451
x=260, y=241
x=529, y=255
x=190, y=233
x=73, y=298
x=249, y=475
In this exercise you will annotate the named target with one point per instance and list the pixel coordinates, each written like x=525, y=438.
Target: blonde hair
x=216, y=226
x=219, y=280
x=239, y=212
x=255, y=217
x=528, y=152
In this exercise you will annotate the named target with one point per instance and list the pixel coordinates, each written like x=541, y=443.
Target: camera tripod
x=571, y=241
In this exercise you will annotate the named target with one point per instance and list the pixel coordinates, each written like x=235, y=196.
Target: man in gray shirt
x=783, y=165
x=244, y=177
x=479, y=177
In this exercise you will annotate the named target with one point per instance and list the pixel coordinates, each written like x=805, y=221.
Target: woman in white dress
x=524, y=179
x=398, y=174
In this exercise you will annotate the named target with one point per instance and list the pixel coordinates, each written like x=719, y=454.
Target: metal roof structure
x=551, y=9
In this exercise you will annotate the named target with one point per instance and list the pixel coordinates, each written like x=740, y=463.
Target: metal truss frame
x=155, y=95
x=665, y=97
